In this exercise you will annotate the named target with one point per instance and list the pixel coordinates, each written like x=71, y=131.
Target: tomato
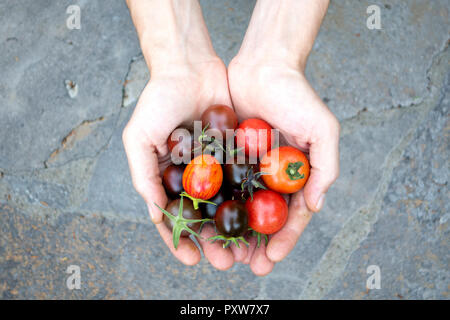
x=203, y=177
x=255, y=137
x=219, y=117
x=287, y=169
x=239, y=194
x=181, y=143
x=173, y=180
x=267, y=212
x=209, y=210
x=236, y=172
x=188, y=213
x=231, y=219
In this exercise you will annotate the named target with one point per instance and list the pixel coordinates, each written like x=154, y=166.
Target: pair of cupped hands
x=278, y=93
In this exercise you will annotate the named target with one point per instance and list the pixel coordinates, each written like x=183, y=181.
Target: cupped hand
x=174, y=96
x=281, y=95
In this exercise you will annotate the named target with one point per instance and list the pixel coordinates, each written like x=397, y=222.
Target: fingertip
x=155, y=214
x=239, y=253
x=260, y=264
x=276, y=250
x=192, y=256
x=219, y=257
x=314, y=195
x=262, y=270
x=186, y=252
x=223, y=265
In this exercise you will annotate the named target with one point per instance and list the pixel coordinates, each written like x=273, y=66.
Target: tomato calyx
x=292, y=170
x=196, y=201
x=181, y=223
x=258, y=236
x=250, y=182
x=208, y=143
x=228, y=240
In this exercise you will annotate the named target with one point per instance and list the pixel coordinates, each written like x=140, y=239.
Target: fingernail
x=152, y=214
x=320, y=202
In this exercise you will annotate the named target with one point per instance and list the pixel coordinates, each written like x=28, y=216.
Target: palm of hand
x=283, y=97
x=169, y=100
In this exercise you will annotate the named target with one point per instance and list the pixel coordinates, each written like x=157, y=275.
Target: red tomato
x=254, y=136
x=203, y=177
x=267, y=212
x=287, y=169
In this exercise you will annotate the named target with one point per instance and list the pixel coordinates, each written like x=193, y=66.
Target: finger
x=239, y=253
x=282, y=242
x=219, y=257
x=260, y=264
x=324, y=161
x=145, y=174
x=187, y=252
x=250, y=250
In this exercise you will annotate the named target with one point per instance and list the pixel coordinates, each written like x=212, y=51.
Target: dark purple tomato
x=209, y=210
x=231, y=218
x=188, y=213
x=173, y=180
x=221, y=118
x=238, y=194
x=235, y=172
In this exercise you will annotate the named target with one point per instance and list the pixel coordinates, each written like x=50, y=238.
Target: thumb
x=324, y=161
x=145, y=174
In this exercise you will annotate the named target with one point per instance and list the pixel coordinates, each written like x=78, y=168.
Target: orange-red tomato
x=203, y=177
x=287, y=169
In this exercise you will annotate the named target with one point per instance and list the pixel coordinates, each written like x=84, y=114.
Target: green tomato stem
x=196, y=201
x=180, y=223
x=292, y=170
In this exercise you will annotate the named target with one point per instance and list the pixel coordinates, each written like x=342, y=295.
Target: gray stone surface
x=38, y=53
x=65, y=191
x=409, y=242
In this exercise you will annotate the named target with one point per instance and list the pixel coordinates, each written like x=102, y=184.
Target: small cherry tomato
x=182, y=143
x=236, y=172
x=267, y=212
x=188, y=213
x=239, y=194
x=219, y=117
x=173, y=180
x=287, y=169
x=203, y=177
x=255, y=137
x=231, y=218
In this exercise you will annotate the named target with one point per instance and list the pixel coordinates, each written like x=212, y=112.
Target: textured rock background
x=65, y=190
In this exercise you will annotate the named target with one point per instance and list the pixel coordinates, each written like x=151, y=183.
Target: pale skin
x=265, y=80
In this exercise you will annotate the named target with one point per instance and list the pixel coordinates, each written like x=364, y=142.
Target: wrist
x=171, y=32
x=161, y=56
x=274, y=56
x=283, y=32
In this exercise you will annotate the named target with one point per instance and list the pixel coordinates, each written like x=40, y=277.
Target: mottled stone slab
x=38, y=53
x=117, y=259
x=410, y=240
